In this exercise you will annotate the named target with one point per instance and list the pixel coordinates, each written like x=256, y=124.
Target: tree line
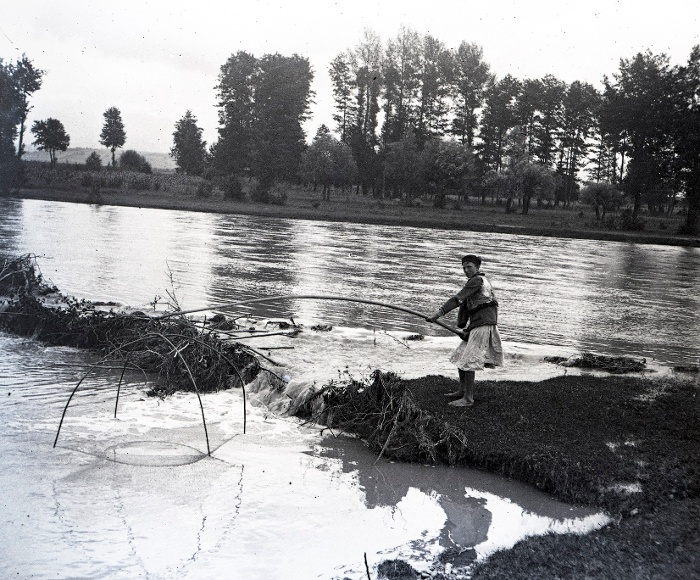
x=641, y=133
x=412, y=116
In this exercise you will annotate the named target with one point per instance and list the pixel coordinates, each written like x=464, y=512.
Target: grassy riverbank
x=628, y=445
x=576, y=222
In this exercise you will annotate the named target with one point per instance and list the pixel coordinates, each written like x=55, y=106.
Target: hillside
x=79, y=154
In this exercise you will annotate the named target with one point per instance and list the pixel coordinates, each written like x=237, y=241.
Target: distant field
x=79, y=154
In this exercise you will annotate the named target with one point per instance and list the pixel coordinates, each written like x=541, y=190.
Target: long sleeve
x=472, y=287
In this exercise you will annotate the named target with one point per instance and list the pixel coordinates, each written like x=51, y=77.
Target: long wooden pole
x=308, y=297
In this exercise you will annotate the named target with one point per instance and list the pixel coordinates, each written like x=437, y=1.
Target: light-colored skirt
x=483, y=347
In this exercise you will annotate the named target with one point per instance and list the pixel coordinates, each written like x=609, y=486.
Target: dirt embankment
x=626, y=444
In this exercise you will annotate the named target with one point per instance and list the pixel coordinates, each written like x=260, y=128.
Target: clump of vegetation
x=612, y=364
x=93, y=162
x=231, y=187
x=131, y=160
x=273, y=195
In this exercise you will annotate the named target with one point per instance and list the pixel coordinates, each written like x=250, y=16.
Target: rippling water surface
x=609, y=297
x=136, y=495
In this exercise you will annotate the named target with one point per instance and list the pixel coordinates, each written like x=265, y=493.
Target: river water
x=136, y=495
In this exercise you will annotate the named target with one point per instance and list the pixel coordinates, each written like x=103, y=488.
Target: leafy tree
x=93, y=162
x=525, y=180
x=639, y=110
x=51, y=136
x=402, y=167
x=131, y=160
x=328, y=162
x=471, y=78
x=28, y=80
x=687, y=141
x=497, y=184
x=10, y=115
x=113, y=135
x=601, y=196
x=188, y=150
x=10, y=111
x=535, y=182
x=449, y=168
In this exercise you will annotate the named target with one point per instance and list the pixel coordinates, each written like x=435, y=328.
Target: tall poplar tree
x=500, y=115
x=344, y=86
x=549, y=118
x=471, y=78
x=10, y=114
x=435, y=80
x=113, y=135
x=282, y=100
x=401, y=75
x=236, y=93
x=687, y=141
x=262, y=105
x=581, y=104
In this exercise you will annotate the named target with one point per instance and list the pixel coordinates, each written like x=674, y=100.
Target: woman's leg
x=466, y=381
x=459, y=392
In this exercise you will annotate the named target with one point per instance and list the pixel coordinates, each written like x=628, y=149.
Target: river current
x=136, y=495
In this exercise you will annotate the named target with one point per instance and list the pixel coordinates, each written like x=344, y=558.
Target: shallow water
x=137, y=495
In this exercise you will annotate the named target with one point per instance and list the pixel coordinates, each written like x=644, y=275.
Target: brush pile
x=384, y=413
x=180, y=354
x=616, y=365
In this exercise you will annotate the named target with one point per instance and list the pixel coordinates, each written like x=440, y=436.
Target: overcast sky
x=155, y=60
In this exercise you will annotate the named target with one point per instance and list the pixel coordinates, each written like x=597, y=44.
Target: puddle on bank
x=467, y=511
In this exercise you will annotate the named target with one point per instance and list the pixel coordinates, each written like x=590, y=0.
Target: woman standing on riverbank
x=478, y=315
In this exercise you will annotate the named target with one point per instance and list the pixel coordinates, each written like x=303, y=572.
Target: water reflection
x=609, y=297
x=468, y=499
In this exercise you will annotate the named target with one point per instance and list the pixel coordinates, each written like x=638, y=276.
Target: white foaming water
x=138, y=496
x=313, y=358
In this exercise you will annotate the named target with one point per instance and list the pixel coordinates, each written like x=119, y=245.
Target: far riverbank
x=577, y=223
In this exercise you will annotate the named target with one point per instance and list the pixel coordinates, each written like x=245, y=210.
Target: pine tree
x=188, y=150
